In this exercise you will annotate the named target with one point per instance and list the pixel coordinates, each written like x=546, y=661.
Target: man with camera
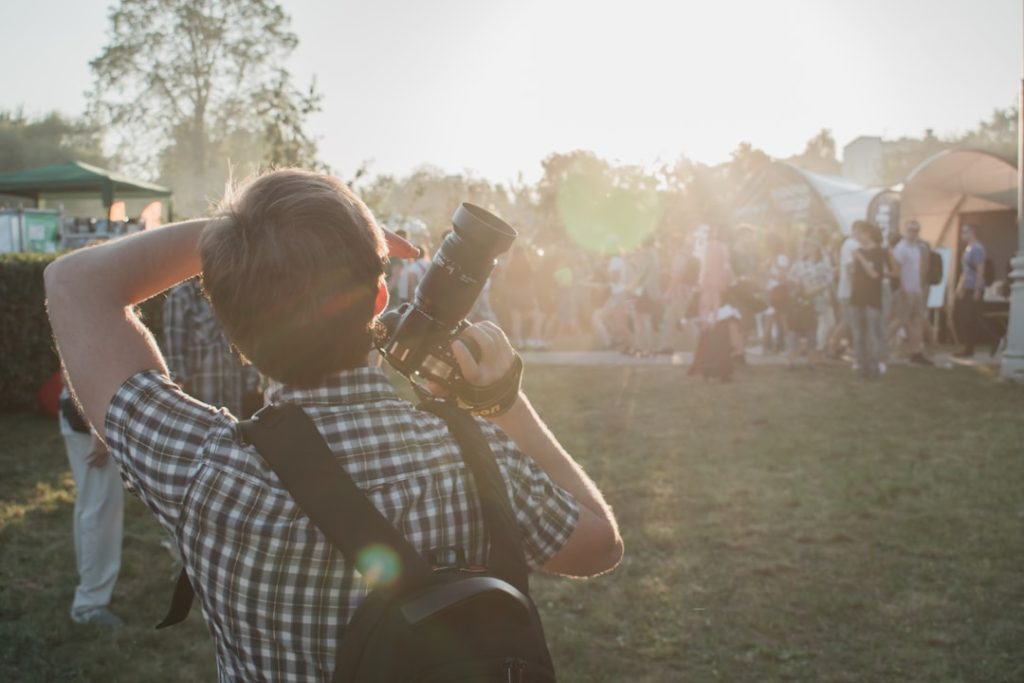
x=294, y=268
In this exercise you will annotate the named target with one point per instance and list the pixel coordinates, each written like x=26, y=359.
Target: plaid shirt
x=199, y=353
x=275, y=594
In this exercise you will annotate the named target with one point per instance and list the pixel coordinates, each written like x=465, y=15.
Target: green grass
x=786, y=527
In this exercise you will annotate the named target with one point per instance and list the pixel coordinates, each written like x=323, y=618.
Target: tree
x=51, y=139
x=819, y=155
x=195, y=90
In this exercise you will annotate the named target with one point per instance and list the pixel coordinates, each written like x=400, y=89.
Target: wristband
x=495, y=399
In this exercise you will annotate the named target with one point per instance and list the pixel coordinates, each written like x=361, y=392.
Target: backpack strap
x=505, y=559
x=291, y=444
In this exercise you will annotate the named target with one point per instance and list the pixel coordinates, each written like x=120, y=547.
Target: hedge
x=27, y=353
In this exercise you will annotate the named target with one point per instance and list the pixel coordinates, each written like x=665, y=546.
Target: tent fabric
x=847, y=200
x=76, y=178
x=785, y=189
x=953, y=182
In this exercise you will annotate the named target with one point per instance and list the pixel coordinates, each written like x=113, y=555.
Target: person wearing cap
x=911, y=257
x=294, y=267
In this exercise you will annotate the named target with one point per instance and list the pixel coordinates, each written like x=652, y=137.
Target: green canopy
x=77, y=180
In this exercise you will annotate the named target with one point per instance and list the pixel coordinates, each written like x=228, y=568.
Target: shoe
x=881, y=369
x=99, y=616
x=919, y=359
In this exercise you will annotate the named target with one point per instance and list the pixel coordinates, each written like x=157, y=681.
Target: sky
x=494, y=86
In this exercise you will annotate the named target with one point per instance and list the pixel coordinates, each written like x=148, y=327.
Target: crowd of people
x=721, y=291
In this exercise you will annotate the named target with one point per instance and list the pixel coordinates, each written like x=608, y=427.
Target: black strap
x=290, y=443
x=181, y=602
x=505, y=559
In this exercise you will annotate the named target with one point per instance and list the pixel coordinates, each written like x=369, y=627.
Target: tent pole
x=1013, y=357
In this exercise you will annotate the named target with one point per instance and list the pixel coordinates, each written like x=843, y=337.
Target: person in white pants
x=98, y=524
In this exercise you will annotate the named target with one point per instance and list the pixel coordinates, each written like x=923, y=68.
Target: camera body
x=418, y=335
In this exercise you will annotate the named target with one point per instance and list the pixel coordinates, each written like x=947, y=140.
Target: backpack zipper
x=514, y=668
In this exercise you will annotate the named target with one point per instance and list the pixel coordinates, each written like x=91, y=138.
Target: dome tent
x=964, y=186
x=783, y=192
x=960, y=187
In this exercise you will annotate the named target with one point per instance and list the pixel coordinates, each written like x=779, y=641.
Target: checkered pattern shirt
x=198, y=351
x=275, y=594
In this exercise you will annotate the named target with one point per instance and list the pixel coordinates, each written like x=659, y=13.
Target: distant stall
x=783, y=194
x=33, y=229
x=965, y=187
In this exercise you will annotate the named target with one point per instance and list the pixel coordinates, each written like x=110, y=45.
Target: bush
x=27, y=353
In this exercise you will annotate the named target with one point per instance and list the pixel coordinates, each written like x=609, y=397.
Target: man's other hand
x=495, y=359
x=98, y=453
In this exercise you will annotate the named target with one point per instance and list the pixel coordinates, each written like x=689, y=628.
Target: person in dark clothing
x=970, y=291
x=866, y=271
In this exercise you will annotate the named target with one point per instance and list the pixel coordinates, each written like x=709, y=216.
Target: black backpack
x=438, y=626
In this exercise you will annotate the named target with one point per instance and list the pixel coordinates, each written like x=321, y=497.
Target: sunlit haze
x=494, y=87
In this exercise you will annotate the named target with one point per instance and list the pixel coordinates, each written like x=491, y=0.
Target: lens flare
x=603, y=213
x=378, y=564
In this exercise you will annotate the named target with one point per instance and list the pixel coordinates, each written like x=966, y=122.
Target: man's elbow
x=609, y=555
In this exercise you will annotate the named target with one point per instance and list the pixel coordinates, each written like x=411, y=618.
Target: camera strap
x=494, y=399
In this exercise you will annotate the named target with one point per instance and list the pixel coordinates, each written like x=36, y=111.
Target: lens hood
x=483, y=229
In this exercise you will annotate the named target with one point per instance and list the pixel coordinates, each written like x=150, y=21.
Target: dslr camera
x=417, y=336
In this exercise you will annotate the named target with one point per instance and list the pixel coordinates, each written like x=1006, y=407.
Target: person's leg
x=968, y=310
x=856, y=317
x=99, y=519
x=882, y=340
x=915, y=324
x=823, y=327
x=871, y=335
x=792, y=347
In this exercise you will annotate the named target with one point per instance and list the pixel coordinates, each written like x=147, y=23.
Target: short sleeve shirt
x=909, y=257
x=974, y=258
x=275, y=593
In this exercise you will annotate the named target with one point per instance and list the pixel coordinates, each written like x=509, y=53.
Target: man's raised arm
x=89, y=297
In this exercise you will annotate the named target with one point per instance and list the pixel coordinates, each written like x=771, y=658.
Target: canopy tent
x=945, y=187
x=785, y=193
x=964, y=187
x=76, y=180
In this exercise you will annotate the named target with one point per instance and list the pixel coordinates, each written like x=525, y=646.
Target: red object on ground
x=48, y=396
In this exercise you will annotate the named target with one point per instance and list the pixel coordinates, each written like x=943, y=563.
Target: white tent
x=784, y=192
x=846, y=200
x=956, y=182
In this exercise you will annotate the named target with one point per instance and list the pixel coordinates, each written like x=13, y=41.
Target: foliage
x=27, y=353
x=198, y=90
x=819, y=155
x=27, y=356
x=51, y=139
x=786, y=527
x=997, y=134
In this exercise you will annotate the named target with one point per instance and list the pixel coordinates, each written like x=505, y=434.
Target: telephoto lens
x=419, y=335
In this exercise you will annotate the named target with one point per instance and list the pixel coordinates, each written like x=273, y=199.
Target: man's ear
x=381, y=302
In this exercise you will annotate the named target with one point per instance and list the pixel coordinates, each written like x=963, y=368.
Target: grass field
x=796, y=526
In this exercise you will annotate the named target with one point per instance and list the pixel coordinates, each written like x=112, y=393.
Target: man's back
x=274, y=592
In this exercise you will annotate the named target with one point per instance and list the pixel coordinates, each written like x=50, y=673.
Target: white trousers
x=99, y=519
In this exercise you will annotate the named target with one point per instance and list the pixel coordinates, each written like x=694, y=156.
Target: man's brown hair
x=291, y=266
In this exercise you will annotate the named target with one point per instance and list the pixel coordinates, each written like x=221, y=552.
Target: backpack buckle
x=448, y=558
